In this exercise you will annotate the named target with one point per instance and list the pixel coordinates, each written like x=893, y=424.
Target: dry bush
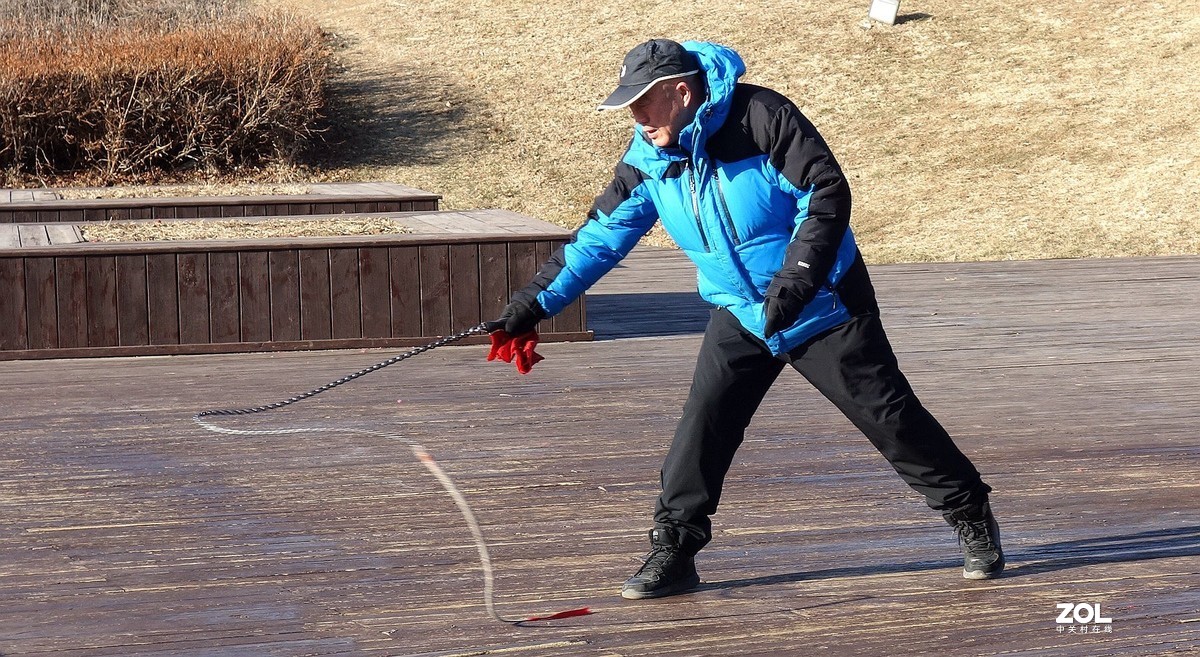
x=58, y=16
x=131, y=97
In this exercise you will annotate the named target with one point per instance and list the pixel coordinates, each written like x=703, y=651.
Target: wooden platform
x=126, y=530
x=452, y=270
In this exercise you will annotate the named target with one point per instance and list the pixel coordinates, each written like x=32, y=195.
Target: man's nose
x=638, y=116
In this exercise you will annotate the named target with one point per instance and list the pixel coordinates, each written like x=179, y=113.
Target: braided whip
x=485, y=560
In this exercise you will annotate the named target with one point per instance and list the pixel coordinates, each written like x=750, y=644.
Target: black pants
x=854, y=367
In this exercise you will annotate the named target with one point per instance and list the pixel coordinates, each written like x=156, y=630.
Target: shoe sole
x=684, y=587
x=979, y=574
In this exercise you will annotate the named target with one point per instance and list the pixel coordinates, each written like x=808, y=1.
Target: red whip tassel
x=582, y=611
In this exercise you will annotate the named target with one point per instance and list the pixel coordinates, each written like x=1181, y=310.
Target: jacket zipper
x=834, y=293
x=725, y=207
x=687, y=164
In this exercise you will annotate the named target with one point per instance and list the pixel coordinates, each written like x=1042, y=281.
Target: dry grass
x=224, y=229
x=179, y=189
x=1010, y=130
x=992, y=131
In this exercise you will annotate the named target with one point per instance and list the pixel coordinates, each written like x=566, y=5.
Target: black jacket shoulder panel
x=626, y=178
x=747, y=131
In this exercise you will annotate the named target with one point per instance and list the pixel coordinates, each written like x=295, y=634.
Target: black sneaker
x=979, y=535
x=669, y=568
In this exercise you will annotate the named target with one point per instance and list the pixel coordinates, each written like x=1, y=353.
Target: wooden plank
x=10, y=237
x=517, y=223
x=254, y=296
x=285, y=295
x=435, y=290
x=233, y=211
x=71, y=292
x=464, y=286
x=102, y=330
x=33, y=235
x=209, y=211
x=63, y=234
x=162, y=291
x=345, y=296
x=494, y=287
x=522, y=263
x=456, y=222
x=13, y=325
x=42, y=318
x=405, y=281
x=375, y=292
x=315, y=316
x=194, y=322
x=179, y=211
x=133, y=300
x=224, y=320
x=339, y=189
x=21, y=195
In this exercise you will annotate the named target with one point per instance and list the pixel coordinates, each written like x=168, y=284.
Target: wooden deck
x=126, y=530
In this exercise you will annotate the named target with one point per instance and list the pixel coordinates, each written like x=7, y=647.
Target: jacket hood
x=722, y=67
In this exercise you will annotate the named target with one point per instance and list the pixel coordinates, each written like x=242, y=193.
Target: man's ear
x=686, y=93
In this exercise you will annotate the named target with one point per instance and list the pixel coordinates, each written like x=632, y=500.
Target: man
x=746, y=187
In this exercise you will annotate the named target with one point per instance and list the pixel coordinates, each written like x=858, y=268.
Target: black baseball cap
x=648, y=63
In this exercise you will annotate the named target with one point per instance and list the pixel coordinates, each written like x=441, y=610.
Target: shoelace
x=974, y=534
x=656, y=558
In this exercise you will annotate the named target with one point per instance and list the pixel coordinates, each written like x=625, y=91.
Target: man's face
x=664, y=111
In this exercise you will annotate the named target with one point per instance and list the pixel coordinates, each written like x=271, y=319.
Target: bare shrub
x=58, y=16
x=132, y=97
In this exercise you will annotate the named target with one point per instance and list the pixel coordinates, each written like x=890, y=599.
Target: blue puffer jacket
x=751, y=194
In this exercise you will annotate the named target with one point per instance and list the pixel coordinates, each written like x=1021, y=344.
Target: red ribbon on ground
x=582, y=611
x=518, y=348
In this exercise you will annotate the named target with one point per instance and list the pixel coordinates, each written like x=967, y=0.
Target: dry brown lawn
x=219, y=229
x=969, y=131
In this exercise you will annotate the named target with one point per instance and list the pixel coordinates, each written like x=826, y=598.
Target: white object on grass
x=884, y=11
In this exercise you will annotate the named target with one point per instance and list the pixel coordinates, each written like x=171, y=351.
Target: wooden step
x=44, y=206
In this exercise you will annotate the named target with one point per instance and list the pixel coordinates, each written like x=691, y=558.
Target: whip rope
x=422, y=455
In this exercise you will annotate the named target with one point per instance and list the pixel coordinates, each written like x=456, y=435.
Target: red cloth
x=518, y=348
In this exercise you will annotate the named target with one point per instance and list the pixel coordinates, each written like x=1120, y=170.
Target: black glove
x=781, y=307
x=520, y=316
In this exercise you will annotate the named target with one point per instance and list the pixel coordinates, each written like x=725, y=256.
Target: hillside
x=1008, y=131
